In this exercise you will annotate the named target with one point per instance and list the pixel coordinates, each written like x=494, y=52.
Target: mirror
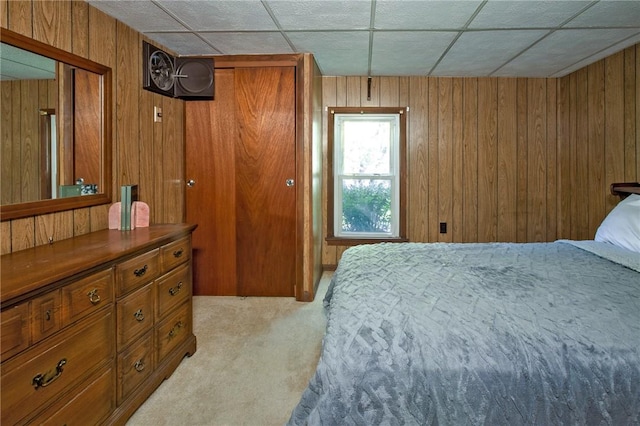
x=55, y=129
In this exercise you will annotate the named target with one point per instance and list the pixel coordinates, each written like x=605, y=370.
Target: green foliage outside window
x=366, y=207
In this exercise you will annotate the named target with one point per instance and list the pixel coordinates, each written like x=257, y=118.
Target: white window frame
x=393, y=176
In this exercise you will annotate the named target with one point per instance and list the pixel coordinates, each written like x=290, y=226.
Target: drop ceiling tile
x=248, y=43
x=325, y=15
x=526, y=14
x=610, y=13
x=336, y=52
x=183, y=44
x=479, y=53
x=421, y=14
x=602, y=54
x=408, y=52
x=143, y=15
x=221, y=15
x=551, y=55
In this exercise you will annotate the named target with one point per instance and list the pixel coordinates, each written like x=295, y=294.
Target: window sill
x=341, y=241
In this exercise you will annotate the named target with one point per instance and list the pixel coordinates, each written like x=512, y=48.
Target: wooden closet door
x=240, y=151
x=265, y=159
x=210, y=135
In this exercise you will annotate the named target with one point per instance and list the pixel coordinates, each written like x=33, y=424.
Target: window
x=366, y=175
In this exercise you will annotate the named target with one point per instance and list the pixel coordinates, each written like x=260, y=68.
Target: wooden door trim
x=300, y=179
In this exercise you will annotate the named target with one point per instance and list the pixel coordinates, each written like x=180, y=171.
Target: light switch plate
x=157, y=114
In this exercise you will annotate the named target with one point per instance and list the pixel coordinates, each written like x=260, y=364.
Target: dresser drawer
x=173, y=289
x=91, y=405
x=45, y=371
x=14, y=331
x=173, y=330
x=45, y=316
x=135, y=365
x=138, y=271
x=86, y=296
x=135, y=315
x=175, y=253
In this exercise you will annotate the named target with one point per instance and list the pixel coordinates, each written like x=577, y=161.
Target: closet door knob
x=290, y=182
x=191, y=182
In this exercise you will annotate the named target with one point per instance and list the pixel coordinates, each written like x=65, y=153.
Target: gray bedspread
x=469, y=334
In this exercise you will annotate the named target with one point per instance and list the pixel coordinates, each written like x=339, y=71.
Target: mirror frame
x=33, y=208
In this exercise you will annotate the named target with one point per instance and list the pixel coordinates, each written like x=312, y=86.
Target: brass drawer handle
x=176, y=328
x=139, y=365
x=175, y=290
x=138, y=315
x=94, y=297
x=42, y=381
x=140, y=272
x=178, y=253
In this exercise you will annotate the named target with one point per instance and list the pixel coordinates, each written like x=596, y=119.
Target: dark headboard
x=623, y=189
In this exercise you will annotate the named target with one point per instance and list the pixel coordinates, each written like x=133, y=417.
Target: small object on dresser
x=129, y=194
x=139, y=215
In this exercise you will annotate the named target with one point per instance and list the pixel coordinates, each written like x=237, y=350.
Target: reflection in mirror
x=55, y=129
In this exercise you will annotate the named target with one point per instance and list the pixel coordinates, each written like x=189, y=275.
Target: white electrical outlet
x=157, y=114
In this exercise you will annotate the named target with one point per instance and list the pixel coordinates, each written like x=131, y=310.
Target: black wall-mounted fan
x=177, y=77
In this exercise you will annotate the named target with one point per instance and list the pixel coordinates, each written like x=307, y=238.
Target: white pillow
x=622, y=225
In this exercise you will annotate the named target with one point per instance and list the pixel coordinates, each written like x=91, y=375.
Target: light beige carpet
x=254, y=359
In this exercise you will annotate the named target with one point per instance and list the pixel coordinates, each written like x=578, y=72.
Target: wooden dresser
x=92, y=325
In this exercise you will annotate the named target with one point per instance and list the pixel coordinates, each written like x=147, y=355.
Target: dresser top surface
x=26, y=271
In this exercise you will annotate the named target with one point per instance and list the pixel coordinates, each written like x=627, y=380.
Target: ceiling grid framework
x=507, y=38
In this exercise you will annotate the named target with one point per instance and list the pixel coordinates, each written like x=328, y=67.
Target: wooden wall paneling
x=6, y=142
x=581, y=214
x=470, y=161
x=565, y=156
x=455, y=226
x=147, y=190
x=433, y=169
x=522, y=160
x=53, y=227
x=536, y=161
x=173, y=160
x=487, y=159
x=81, y=221
x=507, y=141
x=551, y=159
x=596, y=151
x=389, y=91
x=614, y=122
x=51, y=23
x=16, y=140
x=630, y=115
x=4, y=13
x=20, y=17
x=99, y=217
x=158, y=163
x=573, y=149
x=5, y=235
x=127, y=150
x=444, y=189
x=354, y=91
x=329, y=99
x=30, y=141
x=23, y=233
x=103, y=27
x=418, y=164
x=80, y=28
x=637, y=94
x=347, y=94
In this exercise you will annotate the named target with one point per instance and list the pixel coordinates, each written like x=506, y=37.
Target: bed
x=486, y=333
